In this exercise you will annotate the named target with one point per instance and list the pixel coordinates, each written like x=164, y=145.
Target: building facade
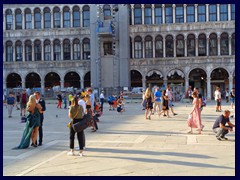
x=110, y=46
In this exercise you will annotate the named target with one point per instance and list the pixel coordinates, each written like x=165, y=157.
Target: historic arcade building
x=115, y=46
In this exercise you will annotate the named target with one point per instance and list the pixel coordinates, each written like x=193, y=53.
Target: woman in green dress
x=32, y=124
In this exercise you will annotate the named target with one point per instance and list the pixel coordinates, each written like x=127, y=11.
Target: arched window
x=224, y=44
x=138, y=47
x=28, y=50
x=86, y=48
x=148, y=14
x=212, y=12
x=137, y=14
x=169, y=14
x=158, y=14
x=233, y=44
x=148, y=47
x=76, y=49
x=18, y=49
x=223, y=12
x=86, y=16
x=9, y=51
x=47, y=18
x=18, y=19
x=9, y=19
x=169, y=46
x=56, y=18
x=201, y=13
x=179, y=14
x=47, y=50
x=159, y=46
x=191, y=45
x=37, y=18
x=37, y=50
x=213, y=45
x=66, y=17
x=106, y=12
x=76, y=16
x=202, y=45
x=190, y=13
x=57, y=50
x=66, y=49
x=28, y=19
x=180, y=46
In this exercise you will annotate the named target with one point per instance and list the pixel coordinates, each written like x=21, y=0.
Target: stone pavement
x=126, y=144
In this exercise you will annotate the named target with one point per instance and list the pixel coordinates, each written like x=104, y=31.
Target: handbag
x=80, y=126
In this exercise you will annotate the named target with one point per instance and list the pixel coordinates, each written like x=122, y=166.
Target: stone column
x=61, y=19
x=23, y=83
x=81, y=18
x=42, y=19
x=174, y=13
x=13, y=21
x=133, y=50
x=33, y=21
x=52, y=51
x=196, y=48
x=218, y=44
x=196, y=12
x=132, y=13
x=61, y=44
x=42, y=50
x=81, y=50
x=207, y=48
x=218, y=12
x=142, y=6
x=186, y=84
x=209, y=97
x=52, y=19
x=144, y=82
x=229, y=13
x=71, y=18
x=230, y=44
x=14, y=52
x=143, y=48
x=185, y=47
x=185, y=13
x=230, y=82
x=82, y=83
x=4, y=52
x=163, y=13
x=42, y=86
x=33, y=57
x=164, y=47
x=165, y=81
x=4, y=22
x=207, y=12
x=153, y=14
x=174, y=47
x=23, y=52
x=153, y=48
x=71, y=49
x=61, y=83
x=23, y=21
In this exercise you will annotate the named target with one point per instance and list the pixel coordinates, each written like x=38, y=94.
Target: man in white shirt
x=82, y=103
x=217, y=95
x=102, y=99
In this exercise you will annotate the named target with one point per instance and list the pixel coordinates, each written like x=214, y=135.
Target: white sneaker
x=80, y=154
x=70, y=153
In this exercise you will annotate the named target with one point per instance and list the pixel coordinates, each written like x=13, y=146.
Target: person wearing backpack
x=23, y=102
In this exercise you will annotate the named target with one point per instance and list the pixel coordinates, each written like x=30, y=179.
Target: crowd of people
x=85, y=103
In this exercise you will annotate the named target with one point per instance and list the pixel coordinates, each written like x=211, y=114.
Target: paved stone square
x=126, y=144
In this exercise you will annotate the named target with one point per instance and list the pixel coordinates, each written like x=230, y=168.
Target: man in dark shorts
x=220, y=128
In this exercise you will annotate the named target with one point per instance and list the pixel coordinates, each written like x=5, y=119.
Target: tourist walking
x=220, y=128
x=76, y=115
x=157, y=100
x=170, y=99
x=149, y=103
x=10, y=104
x=102, y=98
x=217, y=95
x=194, y=120
x=18, y=96
x=90, y=112
x=41, y=101
x=232, y=96
x=227, y=95
x=165, y=107
x=23, y=102
x=59, y=98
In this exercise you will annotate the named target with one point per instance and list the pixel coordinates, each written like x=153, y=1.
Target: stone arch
x=136, y=78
